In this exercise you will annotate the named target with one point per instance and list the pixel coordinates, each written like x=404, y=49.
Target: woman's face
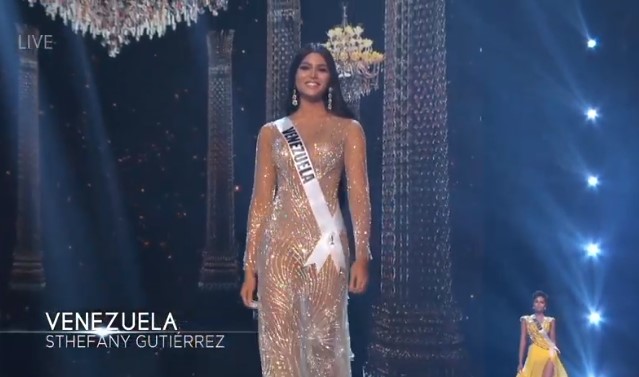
x=312, y=77
x=539, y=305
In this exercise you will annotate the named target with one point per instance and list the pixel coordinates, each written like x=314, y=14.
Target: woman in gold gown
x=542, y=359
x=297, y=252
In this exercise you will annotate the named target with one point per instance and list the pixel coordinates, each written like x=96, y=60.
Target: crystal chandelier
x=358, y=65
x=117, y=22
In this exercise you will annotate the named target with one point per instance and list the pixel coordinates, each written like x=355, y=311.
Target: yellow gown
x=302, y=315
x=541, y=351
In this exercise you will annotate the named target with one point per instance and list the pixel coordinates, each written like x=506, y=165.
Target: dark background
x=124, y=148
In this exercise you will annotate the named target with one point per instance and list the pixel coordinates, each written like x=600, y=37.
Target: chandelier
x=358, y=65
x=117, y=22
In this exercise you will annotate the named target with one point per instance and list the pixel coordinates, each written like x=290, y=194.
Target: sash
x=330, y=226
x=553, y=347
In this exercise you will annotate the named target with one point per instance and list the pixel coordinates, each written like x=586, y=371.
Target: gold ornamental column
x=283, y=40
x=415, y=322
x=220, y=266
x=27, y=272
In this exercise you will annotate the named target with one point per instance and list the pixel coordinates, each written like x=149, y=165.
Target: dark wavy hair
x=339, y=106
x=541, y=294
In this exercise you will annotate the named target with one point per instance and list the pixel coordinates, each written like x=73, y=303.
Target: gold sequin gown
x=302, y=320
x=539, y=352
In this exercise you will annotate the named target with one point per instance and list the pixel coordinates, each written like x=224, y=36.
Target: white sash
x=330, y=226
x=553, y=347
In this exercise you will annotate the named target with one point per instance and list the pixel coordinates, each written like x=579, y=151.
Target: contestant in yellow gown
x=302, y=309
x=542, y=359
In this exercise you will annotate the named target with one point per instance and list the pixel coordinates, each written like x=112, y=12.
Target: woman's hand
x=520, y=367
x=247, y=292
x=359, y=276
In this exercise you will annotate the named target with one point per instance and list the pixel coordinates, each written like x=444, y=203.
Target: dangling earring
x=330, y=98
x=294, y=102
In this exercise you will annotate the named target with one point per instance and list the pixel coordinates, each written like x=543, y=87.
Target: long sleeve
x=358, y=188
x=262, y=196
